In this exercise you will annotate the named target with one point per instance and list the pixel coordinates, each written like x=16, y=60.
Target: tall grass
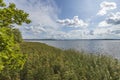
x=48, y=63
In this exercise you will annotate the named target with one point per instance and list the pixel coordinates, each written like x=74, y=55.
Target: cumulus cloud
x=109, y=28
x=112, y=19
x=105, y=7
x=75, y=22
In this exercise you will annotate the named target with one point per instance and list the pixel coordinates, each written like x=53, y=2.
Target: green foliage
x=17, y=35
x=11, y=59
x=11, y=15
x=49, y=63
x=2, y=4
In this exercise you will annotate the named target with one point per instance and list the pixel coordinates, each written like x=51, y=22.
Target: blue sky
x=70, y=19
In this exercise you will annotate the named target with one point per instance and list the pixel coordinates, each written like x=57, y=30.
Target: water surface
x=107, y=47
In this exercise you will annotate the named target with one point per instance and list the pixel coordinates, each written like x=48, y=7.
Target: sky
x=70, y=19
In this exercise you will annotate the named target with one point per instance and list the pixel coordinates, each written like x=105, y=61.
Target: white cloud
x=35, y=28
x=115, y=29
x=79, y=34
x=42, y=13
x=116, y=32
x=73, y=34
x=45, y=13
x=107, y=30
x=113, y=18
x=105, y=7
x=101, y=31
x=75, y=22
x=103, y=24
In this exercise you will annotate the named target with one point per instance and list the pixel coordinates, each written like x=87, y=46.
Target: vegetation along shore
x=49, y=63
x=21, y=60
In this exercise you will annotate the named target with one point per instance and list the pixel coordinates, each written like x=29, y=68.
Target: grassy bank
x=48, y=63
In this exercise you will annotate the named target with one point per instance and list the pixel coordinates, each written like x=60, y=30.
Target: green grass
x=48, y=63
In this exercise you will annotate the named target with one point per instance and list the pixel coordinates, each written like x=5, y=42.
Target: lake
x=107, y=47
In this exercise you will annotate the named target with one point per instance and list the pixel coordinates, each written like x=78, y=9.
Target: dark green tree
x=17, y=35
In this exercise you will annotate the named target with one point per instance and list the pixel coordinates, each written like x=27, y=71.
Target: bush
x=17, y=35
x=11, y=59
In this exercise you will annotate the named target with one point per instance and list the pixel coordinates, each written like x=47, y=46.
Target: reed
x=49, y=63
